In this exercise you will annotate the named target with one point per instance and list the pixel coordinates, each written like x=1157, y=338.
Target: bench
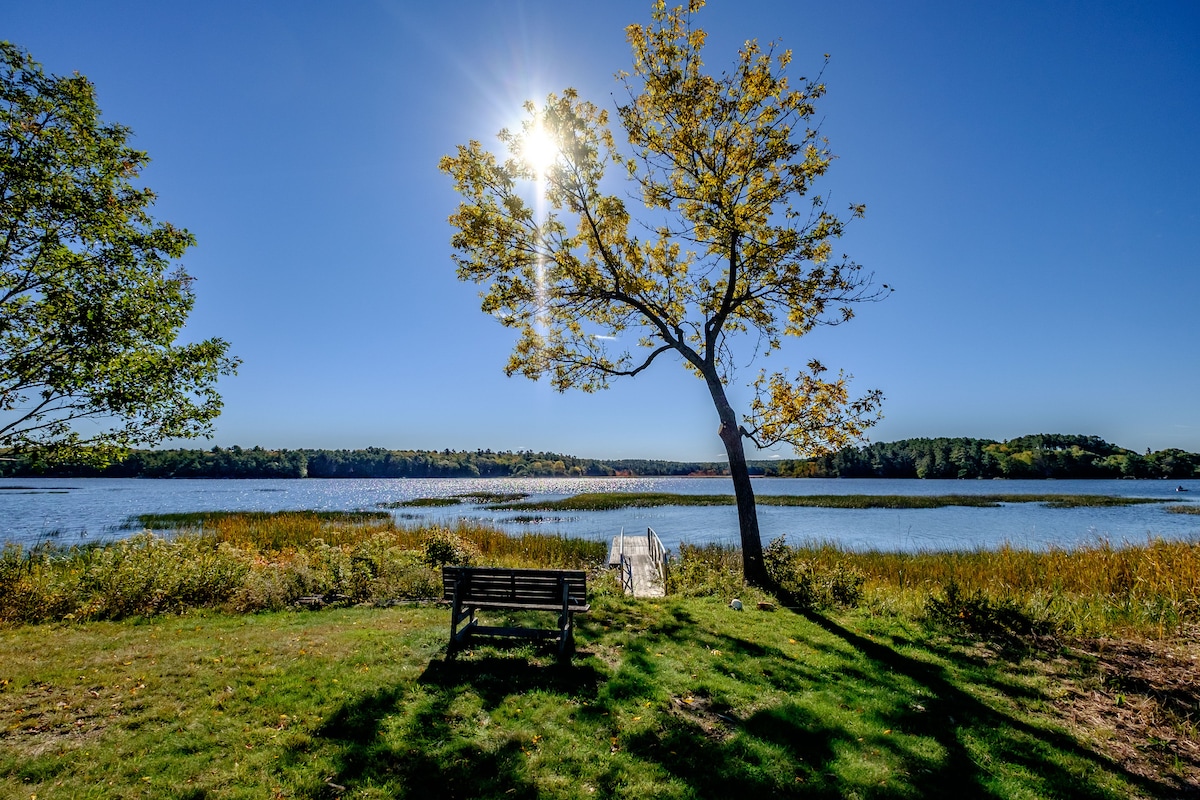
x=469, y=589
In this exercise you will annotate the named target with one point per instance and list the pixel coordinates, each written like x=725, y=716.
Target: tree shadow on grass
x=496, y=677
x=760, y=718
x=948, y=742
x=410, y=739
x=1057, y=762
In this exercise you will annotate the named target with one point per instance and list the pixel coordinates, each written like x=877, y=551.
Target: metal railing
x=625, y=564
x=659, y=556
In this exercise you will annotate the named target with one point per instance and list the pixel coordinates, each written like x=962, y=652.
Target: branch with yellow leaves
x=812, y=414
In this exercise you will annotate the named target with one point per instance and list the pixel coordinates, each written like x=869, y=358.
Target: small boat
x=1180, y=489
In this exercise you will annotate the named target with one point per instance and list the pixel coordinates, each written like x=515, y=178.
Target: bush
x=808, y=583
x=382, y=571
x=147, y=574
x=142, y=575
x=257, y=562
x=444, y=546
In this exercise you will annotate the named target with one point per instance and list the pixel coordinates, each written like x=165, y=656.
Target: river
x=69, y=512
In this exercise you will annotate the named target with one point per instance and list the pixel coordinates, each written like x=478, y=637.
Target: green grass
x=1185, y=509
x=674, y=699
x=906, y=676
x=607, y=501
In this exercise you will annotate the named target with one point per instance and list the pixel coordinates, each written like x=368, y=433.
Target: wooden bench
x=473, y=588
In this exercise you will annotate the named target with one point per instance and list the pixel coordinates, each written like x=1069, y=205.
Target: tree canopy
x=728, y=251
x=90, y=302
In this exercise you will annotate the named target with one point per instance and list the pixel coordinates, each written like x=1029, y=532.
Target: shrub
x=808, y=583
x=444, y=546
x=147, y=574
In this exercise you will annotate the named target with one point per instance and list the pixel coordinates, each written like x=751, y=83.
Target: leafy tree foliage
x=728, y=250
x=372, y=462
x=90, y=306
x=1037, y=456
x=1041, y=456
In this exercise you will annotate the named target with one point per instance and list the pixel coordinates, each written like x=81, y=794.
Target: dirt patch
x=50, y=718
x=699, y=710
x=1139, y=704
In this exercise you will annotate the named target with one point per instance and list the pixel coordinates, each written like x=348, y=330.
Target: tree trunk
x=753, y=570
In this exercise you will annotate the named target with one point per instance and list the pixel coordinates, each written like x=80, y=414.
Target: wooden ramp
x=642, y=562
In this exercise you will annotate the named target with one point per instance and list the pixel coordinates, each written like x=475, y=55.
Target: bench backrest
x=517, y=586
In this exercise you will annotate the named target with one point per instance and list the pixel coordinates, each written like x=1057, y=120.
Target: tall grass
x=1152, y=588
x=273, y=530
x=1097, y=588
x=258, y=561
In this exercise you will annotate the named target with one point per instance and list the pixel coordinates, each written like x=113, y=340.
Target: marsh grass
x=423, y=502
x=1152, y=589
x=270, y=530
x=259, y=561
x=495, y=498
x=607, y=501
x=1185, y=509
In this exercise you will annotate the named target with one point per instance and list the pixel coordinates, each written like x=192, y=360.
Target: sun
x=539, y=149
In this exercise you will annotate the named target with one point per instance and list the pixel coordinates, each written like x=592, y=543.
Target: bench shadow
x=411, y=736
x=364, y=757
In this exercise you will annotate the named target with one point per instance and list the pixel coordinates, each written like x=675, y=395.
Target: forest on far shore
x=1036, y=456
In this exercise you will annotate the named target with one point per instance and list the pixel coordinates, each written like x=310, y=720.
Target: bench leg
x=459, y=637
x=566, y=634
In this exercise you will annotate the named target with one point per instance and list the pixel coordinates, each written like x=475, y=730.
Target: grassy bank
x=994, y=675
x=608, y=501
x=682, y=698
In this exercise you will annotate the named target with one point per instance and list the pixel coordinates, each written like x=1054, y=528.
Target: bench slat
x=471, y=588
x=579, y=607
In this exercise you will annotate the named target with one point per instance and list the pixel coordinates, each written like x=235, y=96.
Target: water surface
x=73, y=511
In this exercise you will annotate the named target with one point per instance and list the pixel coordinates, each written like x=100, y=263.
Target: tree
x=90, y=306
x=724, y=255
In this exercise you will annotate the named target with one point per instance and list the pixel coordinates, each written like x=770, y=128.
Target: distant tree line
x=373, y=462
x=1038, y=456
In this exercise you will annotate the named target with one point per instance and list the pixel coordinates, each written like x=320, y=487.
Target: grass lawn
x=675, y=698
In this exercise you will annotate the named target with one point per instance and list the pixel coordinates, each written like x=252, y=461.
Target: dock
x=642, y=562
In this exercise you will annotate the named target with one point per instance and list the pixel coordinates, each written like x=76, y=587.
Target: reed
x=493, y=497
x=1151, y=588
x=608, y=501
x=275, y=530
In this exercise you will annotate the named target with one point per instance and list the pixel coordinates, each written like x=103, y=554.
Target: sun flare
x=539, y=149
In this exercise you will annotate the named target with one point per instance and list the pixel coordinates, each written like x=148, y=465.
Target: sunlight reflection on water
x=71, y=511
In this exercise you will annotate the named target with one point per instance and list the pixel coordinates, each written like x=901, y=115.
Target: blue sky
x=1030, y=171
